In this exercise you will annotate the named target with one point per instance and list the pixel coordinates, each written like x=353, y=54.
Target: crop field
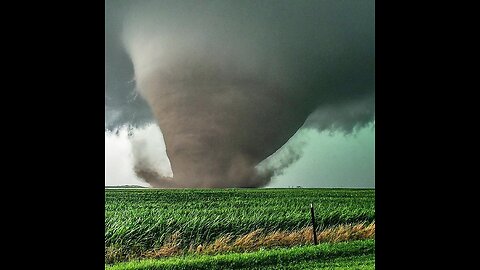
x=241, y=228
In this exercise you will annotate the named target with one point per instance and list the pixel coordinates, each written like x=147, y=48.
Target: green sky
x=328, y=160
x=333, y=160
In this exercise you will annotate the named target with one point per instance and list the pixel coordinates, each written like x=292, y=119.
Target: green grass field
x=154, y=223
x=347, y=255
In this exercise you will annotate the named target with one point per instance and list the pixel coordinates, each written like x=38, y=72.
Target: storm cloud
x=230, y=82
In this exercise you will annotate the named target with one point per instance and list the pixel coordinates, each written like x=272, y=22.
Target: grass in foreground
x=359, y=254
x=250, y=242
x=341, y=263
x=138, y=221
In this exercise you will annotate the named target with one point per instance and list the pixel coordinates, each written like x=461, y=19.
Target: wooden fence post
x=313, y=224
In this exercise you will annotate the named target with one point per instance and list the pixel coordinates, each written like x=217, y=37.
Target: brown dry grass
x=170, y=248
x=258, y=239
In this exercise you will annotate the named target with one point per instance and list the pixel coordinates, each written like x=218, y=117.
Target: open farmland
x=154, y=223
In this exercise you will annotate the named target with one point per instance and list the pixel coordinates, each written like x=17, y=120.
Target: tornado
x=230, y=82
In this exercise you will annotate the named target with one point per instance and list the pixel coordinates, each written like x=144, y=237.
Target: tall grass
x=252, y=241
x=143, y=220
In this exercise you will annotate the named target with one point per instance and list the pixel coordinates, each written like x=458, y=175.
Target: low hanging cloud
x=230, y=82
x=133, y=152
